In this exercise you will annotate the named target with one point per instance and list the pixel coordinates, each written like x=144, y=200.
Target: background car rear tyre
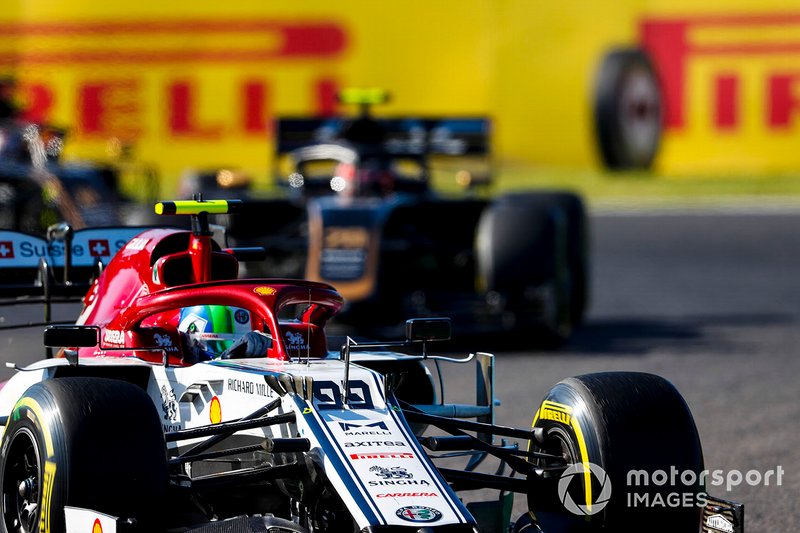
x=534, y=244
x=627, y=110
x=85, y=442
x=577, y=245
x=623, y=422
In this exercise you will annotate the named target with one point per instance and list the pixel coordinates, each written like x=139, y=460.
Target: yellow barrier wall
x=195, y=84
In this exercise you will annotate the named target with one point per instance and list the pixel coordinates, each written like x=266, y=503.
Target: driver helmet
x=208, y=330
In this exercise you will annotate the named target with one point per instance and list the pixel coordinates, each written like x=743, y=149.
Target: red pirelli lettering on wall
x=105, y=107
x=674, y=43
x=111, y=104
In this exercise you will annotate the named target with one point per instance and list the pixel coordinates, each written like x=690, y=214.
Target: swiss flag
x=6, y=250
x=99, y=247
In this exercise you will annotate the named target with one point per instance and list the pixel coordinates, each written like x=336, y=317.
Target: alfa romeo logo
x=418, y=513
x=598, y=502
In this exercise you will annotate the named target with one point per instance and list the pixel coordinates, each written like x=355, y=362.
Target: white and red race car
x=126, y=428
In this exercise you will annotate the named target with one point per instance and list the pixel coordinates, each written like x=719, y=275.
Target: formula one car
x=186, y=400
x=360, y=214
x=37, y=189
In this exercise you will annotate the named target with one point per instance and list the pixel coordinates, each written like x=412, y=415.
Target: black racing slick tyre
x=632, y=453
x=531, y=253
x=83, y=442
x=627, y=110
x=573, y=211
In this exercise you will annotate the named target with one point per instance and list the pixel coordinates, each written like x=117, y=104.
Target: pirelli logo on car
x=382, y=455
x=556, y=412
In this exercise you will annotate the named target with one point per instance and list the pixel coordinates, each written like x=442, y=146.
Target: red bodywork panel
x=136, y=300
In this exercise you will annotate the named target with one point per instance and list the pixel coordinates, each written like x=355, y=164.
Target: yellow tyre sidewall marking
x=576, y=428
x=49, y=465
x=587, y=473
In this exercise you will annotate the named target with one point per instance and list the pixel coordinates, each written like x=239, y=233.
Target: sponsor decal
x=418, y=513
x=265, y=291
x=407, y=495
x=164, y=341
x=26, y=250
x=382, y=455
x=349, y=427
x=137, y=244
x=395, y=475
x=295, y=341
x=6, y=250
x=97, y=527
x=99, y=247
x=398, y=482
x=215, y=411
x=114, y=336
x=248, y=387
x=719, y=523
x=210, y=335
x=44, y=249
x=169, y=404
x=395, y=472
x=367, y=443
x=556, y=412
x=241, y=316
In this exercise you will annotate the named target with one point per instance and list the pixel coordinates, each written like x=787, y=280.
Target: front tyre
x=620, y=434
x=84, y=442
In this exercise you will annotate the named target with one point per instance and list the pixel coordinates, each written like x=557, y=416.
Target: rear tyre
x=84, y=442
x=621, y=422
x=577, y=246
x=523, y=261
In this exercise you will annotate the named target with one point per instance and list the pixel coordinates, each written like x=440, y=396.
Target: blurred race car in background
x=358, y=212
x=38, y=189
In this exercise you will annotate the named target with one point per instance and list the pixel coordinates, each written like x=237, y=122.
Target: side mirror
x=252, y=253
x=428, y=329
x=71, y=336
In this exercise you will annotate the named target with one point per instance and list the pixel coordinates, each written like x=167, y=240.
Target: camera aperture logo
x=593, y=504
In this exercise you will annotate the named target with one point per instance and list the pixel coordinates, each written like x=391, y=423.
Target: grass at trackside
x=605, y=189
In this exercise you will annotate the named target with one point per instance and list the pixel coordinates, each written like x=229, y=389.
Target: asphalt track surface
x=709, y=301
